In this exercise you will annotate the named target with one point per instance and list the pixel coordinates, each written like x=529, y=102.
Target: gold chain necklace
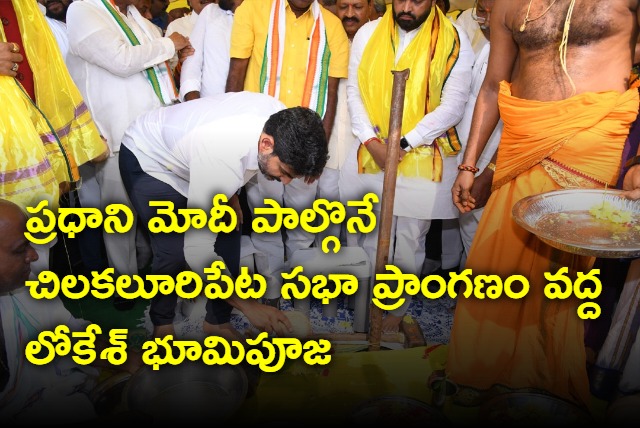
x=526, y=18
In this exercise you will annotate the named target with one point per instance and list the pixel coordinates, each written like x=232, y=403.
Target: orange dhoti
x=535, y=343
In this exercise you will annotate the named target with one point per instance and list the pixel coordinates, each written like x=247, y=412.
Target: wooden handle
x=388, y=195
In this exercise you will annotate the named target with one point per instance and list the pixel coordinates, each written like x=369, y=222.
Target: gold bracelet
x=492, y=166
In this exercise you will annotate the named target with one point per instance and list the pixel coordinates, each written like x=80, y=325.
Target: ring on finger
x=15, y=67
x=15, y=48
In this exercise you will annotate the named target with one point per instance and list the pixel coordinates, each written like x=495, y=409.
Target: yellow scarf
x=42, y=144
x=430, y=57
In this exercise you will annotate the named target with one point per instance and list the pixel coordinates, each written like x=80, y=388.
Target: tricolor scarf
x=42, y=143
x=316, y=82
x=159, y=76
x=430, y=56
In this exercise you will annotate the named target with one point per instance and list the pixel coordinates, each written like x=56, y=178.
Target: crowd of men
x=132, y=101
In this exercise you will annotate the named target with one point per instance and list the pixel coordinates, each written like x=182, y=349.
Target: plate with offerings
x=590, y=222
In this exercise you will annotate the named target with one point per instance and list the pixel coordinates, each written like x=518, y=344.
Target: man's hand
x=631, y=183
x=461, y=191
x=267, y=318
x=310, y=179
x=481, y=189
x=10, y=59
x=378, y=152
x=105, y=154
x=179, y=41
x=184, y=53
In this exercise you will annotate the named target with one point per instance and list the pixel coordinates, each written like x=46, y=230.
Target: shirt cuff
x=187, y=86
x=413, y=138
x=368, y=135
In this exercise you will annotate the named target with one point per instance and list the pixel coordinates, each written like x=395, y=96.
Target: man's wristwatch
x=404, y=144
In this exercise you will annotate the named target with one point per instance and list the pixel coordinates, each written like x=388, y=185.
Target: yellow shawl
x=430, y=57
x=42, y=144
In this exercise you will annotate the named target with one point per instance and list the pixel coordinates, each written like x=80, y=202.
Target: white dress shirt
x=473, y=31
x=207, y=69
x=202, y=148
x=109, y=71
x=479, y=71
x=415, y=197
x=59, y=30
x=342, y=137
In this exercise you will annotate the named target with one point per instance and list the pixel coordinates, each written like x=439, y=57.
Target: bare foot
x=223, y=330
x=391, y=324
x=160, y=331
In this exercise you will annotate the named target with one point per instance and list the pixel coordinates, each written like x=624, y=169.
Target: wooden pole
x=388, y=195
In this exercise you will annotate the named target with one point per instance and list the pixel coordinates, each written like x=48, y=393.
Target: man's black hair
x=299, y=140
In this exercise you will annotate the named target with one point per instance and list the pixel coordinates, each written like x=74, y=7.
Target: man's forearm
x=237, y=73
x=332, y=105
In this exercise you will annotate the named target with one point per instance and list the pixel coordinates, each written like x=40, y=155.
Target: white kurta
x=109, y=71
x=469, y=221
x=473, y=31
x=207, y=69
x=59, y=30
x=415, y=197
x=202, y=148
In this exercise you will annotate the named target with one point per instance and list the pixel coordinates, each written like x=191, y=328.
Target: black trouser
x=168, y=248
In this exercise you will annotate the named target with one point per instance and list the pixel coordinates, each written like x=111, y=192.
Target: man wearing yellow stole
x=46, y=130
x=414, y=35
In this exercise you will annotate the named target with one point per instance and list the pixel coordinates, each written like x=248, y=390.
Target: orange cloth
x=535, y=342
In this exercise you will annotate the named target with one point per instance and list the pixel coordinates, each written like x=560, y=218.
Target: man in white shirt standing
x=118, y=60
x=438, y=84
x=353, y=14
x=205, y=72
x=189, y=153
x=486, y=163
x=56, y=16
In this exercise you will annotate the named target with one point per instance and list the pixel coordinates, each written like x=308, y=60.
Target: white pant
x=297, y=195
x=468, y=226
x=89, y=191
x=406, y=248
x=121, y=247
x=451, y=244
x=328, y=188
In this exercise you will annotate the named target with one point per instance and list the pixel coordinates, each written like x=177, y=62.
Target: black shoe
x=122, y=304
